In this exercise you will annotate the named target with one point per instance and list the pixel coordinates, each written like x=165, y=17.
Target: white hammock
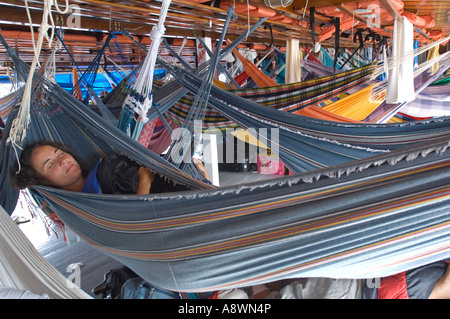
x=23, y=268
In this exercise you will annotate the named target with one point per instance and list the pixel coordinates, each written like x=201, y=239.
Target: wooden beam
x=387, y=4
x=18, y=15
x=360, y=18
x=348, y=11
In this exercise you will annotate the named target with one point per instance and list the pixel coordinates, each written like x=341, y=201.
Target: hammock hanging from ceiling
x=166, y=97
x=356, y=106
x=175, y=104
x=288, y=97
x=313, y=111
x=340, y=108
x=306, y=143
x=311, y=93
x=361, y=106
x=316, y=144
x=369, y=218
x=322, y=147
x=385, y=111
x=332, y=113
x=306, y=95
x=260, y=78
x=422, y=78
x=378, y=222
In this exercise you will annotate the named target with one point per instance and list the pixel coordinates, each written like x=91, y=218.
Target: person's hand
x=145, y=180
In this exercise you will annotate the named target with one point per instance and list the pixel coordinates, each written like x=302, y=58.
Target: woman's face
x=59, y=168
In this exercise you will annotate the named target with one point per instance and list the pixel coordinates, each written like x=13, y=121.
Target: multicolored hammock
x=6, y=103
x=288, y=97
x=366, y=218
x=307, y=143
x=369, y=219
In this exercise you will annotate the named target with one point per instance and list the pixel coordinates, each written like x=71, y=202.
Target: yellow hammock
x=356, y=106
x=395, y=119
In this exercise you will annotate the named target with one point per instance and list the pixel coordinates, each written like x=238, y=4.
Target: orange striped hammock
x=260, y=78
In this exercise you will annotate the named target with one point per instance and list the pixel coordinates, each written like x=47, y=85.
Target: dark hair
x=27, y=176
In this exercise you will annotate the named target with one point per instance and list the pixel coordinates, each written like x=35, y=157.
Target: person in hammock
x=53, y=164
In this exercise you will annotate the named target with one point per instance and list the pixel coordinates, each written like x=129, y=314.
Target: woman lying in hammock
x=53, y=164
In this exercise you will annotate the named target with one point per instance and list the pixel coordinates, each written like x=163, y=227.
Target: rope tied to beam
x=20, y=124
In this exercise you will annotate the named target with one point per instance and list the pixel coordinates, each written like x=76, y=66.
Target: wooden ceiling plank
x=389, y=6
x=350, y=12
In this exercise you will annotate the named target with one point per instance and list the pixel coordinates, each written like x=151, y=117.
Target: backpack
x=123, y=283
x=111, y=287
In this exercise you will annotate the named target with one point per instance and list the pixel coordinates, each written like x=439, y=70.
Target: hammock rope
x=197, y=111
x=141, y=99
x=21, y=122
x=396, y=61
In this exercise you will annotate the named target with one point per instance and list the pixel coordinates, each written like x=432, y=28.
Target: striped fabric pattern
x=307, y=143
x=288, y=98
x=367, y=215
x=390, y=214
x=7, y=102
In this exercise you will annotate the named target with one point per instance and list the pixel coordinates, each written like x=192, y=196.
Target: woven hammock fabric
x=382, y=220
x=7, y=102
x=288, y=97
x=366, y=218
x=307, y=143
x=357, y=105
x=385, y=110
x=259, y=77
x=423, y=107
x=432, y=101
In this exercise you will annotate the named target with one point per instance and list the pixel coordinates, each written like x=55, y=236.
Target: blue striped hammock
x=369, y=215
x=288, y=98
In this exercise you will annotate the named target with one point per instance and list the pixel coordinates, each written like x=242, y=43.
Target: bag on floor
x=111, y=287
x=137, y=288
